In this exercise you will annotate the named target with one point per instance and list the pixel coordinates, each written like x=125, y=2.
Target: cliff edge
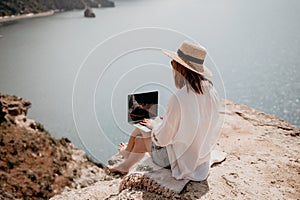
x=34, y=165
x=262, y=162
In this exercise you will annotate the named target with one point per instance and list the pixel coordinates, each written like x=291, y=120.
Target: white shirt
x=189, y=131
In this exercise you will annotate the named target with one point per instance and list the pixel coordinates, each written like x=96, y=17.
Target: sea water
x=77, y=72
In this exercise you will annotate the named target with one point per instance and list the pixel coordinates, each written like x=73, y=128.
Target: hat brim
x=174, y=56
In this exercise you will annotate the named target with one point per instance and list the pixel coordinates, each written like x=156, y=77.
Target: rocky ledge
x=262, y=162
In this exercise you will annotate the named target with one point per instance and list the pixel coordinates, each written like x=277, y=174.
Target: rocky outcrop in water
x=34, y=165
x=16, y=7
x=89, y=13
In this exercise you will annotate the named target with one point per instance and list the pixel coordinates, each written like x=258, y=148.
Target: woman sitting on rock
x=189, y=129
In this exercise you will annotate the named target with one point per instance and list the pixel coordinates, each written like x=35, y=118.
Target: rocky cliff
x=34, y=165
x=16, y=7
x=262, y=162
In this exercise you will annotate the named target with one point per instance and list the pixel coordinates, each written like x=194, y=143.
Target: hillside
x=34, y=165
x=19, y=7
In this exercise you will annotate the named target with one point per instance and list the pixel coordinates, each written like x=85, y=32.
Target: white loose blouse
x=189, y=131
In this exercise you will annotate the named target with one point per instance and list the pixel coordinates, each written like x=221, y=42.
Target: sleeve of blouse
x=163, y=134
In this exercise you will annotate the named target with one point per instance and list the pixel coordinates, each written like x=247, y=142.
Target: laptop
x=142, y=106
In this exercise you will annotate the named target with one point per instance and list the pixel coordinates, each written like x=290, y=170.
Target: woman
x=189, y=129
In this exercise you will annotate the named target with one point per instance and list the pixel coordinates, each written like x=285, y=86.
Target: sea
x=78, y=71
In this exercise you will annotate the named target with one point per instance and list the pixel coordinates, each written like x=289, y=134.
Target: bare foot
x=116, y=170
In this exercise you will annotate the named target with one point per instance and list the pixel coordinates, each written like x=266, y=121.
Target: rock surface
x=89, y=12
x=33, y=165
x=262, y=163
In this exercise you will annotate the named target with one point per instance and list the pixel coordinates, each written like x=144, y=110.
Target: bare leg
x=141, y=145
x=136, y=132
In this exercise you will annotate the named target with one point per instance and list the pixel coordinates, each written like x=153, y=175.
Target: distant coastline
x=21, y=9
x=26, y=16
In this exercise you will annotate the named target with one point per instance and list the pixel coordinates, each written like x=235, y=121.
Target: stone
x=89, y=13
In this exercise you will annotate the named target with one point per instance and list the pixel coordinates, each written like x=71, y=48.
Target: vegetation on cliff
x=16, y=7
x=34, y=165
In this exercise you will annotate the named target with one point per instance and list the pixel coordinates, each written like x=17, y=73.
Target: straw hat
x=191, y=56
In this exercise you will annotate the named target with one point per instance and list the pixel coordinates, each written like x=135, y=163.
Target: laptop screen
x=142, y=105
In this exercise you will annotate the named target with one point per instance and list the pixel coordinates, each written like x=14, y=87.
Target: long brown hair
x=184, y=76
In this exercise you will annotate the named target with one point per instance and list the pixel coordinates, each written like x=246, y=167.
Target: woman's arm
x=163, y=135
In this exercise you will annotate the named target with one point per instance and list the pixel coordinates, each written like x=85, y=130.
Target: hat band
x=189, y=58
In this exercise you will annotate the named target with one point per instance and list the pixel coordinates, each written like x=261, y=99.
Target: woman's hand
x=147, y=122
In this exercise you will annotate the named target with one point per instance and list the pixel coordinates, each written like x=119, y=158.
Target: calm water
x=77, y=71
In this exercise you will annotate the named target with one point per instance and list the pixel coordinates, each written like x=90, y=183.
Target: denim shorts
x=160, y=156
